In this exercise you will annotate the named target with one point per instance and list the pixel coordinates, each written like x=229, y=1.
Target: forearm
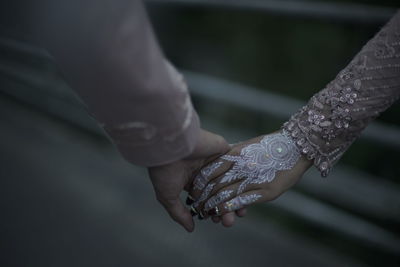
x=109, y=55
x=333, y=118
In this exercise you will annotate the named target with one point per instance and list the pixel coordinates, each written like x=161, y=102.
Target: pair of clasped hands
x=222, y=179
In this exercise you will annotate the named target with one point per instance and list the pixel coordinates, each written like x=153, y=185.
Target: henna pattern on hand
x=241, y=201
x=217, y=199
x=259, y=162
x=256, y=164
x=202, y=178
x=204, y=195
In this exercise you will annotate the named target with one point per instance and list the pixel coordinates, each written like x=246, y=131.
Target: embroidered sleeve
x=163, y=131
x=334, y=117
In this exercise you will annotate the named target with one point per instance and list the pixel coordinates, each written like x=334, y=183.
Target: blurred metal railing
x=311, y=9
x=53, y=96
x=271, y=104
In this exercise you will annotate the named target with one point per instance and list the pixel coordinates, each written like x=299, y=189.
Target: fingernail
x=189, y=200
x=193, y=211
x=190, y=229
x=201, y=216
x=212, y=212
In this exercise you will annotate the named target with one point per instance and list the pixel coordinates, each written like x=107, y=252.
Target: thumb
x=209, y=144
x=179, y=213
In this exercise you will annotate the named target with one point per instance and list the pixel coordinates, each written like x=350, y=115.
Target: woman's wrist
x=304, y=163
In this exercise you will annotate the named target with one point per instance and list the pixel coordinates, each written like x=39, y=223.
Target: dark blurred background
x=68, y=199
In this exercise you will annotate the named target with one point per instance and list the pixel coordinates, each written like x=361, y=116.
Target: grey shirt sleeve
x=108, y=53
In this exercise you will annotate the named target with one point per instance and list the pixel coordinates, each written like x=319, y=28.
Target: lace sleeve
x=335, y=116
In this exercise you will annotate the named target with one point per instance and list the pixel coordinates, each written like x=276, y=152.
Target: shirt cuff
x=163, y=150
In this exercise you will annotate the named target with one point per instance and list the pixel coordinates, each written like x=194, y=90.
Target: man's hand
x=171, y=179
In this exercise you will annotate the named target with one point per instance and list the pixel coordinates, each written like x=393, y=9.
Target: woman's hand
x=254, y=171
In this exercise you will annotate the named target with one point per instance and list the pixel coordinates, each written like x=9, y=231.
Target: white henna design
x=204, y=194
x=241, y=201
x=202, y=178
x=259, y=162
x=230, y=176
x=217, y=199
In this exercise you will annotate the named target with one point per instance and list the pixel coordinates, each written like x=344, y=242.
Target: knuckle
x=170, y=202
x=164, y=201
x=236, y=150
x=270, y=194
x=222, y=143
